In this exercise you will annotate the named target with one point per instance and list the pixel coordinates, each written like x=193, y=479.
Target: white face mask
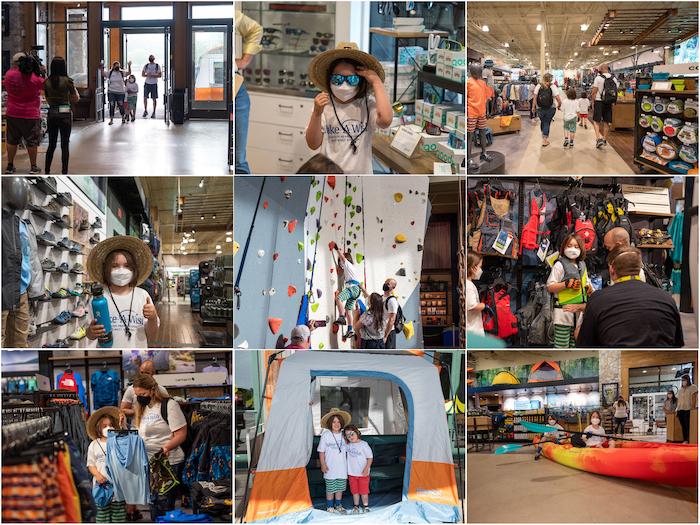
x=552, y=423
x=572, y=253
x=121, y=276
x=345, y=91
x=106, y=430
x=478, y=273
x=595, y=421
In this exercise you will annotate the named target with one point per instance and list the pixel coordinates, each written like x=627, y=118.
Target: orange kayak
x=666, y=463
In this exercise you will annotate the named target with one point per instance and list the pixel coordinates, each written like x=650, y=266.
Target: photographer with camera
x=60, y=92
x=23, y=82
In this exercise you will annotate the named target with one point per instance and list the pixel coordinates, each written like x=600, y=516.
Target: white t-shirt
x=155, y=432
x=96, y=458
x=336, y=143
x=358, y=454
x=595, y=440
x=351, y=273
x=569, y=108
x=334, y=447
x=555, y=93
x=115, y=80
x=137, y=323
x=554, y=433
x=391, y=306
x=130, y=396
x=475, y=323
x=132, y=88
x=583, y=105
x=599, y=83
x=151, y=68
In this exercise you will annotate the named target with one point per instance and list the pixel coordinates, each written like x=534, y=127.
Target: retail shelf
x=446, y=83
x=74, y=358
x=668, y=246
x=668, y=215
x=384, y=31
x=667, y=92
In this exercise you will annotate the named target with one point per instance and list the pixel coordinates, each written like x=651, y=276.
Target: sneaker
x=330, y=509
x=65, y=243
x=340, y=510
x=571, y=144
x=64, y=267
x=77, y=268
x=48, y=265
x=84, y=224
x=46, y=238
x=34, y=170
x=153, y=115
x=365, y=510
x=64, y=223
x=76, y=248
x=54, y=209
x=59, y=343
x=95, y=238
x=46, y=296
x=64, y=199
x=77, y=291
x=341, y=320
x=79, y=312
x=599, y=143
x=133, y=117
x=605, y=142
x=350, y=333
x=355, y=510
x=62, y=318
x=97, y=224
x=145, y=114
x=110, y=122
x=10, y=169
x=566, y=143
x=60, y=294
x=78, y=334
x=31, y=331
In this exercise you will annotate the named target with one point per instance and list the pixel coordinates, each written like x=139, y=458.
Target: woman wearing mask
x=116, y=89
x=687, y=401
x=670, y=404
x=60, y=93
x=620, y=416
x=159, y=436
x=475, y=323
x=121, y=263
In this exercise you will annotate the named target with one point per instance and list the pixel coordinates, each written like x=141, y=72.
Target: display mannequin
x=477, y=95
x=16, y=266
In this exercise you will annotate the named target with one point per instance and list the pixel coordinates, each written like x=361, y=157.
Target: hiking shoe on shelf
x=97, y=224
x=59, y=343
x=36, y=208
x=60, y=294
x=64, y=199
x=62, y=318
x=77, y=291
x=64, y=267
x=84, y=224
x=78, y=334
x=48, y=265
x=64, y=222
x=76, y=248
x=46, y=238
x=64, y=243
x=54, y=209
x=77, y=268
x=79, y=312
x=95, y=238
x=46, y=296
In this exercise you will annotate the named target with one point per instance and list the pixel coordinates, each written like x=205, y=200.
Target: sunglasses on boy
x=350, y=433
x=337, y=80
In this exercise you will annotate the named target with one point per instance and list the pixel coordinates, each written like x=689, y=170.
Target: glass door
x=138, y=45
x=209, y=68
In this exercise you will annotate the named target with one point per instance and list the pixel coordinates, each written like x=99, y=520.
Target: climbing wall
x=273, y=275
x=382, y=221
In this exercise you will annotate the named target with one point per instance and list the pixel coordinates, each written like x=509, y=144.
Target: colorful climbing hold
x=331, y=181
x=314, y=307
x=420, y=247
x=300, y=246
x=401, y=272
x=358, y=209
x=275, y=256
x=347, y=200
x=291, y=290
x=393, y=246
x=398, y=197
x=312, y=210
x=261, y=253
x=319, y=293
x=359, y=257
x=292, y=226
x=275, y=323
x=318, y=196
x=266, y=204
x=326, y=199
x=413, y=222
x=271, y=292
x=287, y=194
x=400, y=238
x=352, y=214
x=321, y=346
x=236, y=247
x=331, y=245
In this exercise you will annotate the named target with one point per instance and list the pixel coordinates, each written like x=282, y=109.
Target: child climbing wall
x=272, y=279
x=381, y=221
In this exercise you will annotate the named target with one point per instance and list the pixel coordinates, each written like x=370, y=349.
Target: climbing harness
x=236, y=286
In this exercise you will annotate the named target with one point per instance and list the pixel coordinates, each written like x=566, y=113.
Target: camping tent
x=545, y=371
x=280, y=491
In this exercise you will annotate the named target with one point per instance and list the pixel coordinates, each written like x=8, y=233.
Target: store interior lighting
x=485, y=28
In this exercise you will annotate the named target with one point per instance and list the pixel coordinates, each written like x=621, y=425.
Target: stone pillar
x=608, y=369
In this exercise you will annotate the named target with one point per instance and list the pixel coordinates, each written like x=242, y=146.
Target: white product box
x=419, y=107
x=441, y=111
x=440, y=70
x=428, y=108
x=446, y=153
x=462, y=123
x=451, y=119
x=441, y=57
x=459, y=74
x=455, y=58
x=420, y=120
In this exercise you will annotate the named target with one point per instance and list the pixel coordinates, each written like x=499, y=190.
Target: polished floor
x=180, y=326
x=546, y=492
x=144, y=147
x=526, y=156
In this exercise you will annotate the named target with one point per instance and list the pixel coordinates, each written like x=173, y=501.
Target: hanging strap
x=236, y=288
x=364, y=242
x=317, y=239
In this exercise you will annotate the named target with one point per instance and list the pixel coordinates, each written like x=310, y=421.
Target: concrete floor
x=526, y=156
x=514, y=488
x=144, y=147
x=690, y=330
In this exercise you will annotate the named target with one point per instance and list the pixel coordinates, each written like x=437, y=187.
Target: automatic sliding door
x=209, y=51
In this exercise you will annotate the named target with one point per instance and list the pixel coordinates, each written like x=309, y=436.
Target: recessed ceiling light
x=584, y=27
x=644, y=371
x=576, y=54
x=485, y=28
x=218, y=246
x=202, y=217
x=229, y=239
x=667, y=47
x=539, y=27
x=505, y=44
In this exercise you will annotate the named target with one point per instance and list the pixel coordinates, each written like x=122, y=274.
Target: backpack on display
x=584, y=228
x=609, y=94
x=535, y=323
x=502, y=323
x=545, y=98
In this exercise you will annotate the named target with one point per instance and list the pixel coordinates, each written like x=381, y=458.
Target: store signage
x=678, y=69
x=189, y=379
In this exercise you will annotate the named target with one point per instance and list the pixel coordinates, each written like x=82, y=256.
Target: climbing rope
x=236, y=287
x=307, y=298
x=364, y=242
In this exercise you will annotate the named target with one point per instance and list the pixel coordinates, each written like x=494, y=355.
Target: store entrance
x=645, y=410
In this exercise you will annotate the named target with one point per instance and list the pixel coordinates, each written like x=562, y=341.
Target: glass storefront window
x=105, y=13
x=212, y=11
x=41, y=40
x=76, y=44
x=208, y=57
x=155, y=12
x=653, y=379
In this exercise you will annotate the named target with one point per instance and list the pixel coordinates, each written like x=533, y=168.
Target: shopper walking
x=60, y=93
x=248, y=37
x=631, y=313
x=116, y=89
x=604, y=94
x=545, y=95
x=23, y=115
x=583, y=106
x=151, y=72
x=620, y=415
x=569, y=109
x=132, y=97
x=687, y=401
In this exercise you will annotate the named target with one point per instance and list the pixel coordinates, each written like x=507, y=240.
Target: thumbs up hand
x=149, y=309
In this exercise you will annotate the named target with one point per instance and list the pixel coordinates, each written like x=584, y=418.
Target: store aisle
x=180, y=326
x=584, y=157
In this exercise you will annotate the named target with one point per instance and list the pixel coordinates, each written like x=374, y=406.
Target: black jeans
x=620, y=421
x=56, y=125
x=115, y=99
x=372, y=344
x=684, y=419
x=391, y=340
x=161, y=505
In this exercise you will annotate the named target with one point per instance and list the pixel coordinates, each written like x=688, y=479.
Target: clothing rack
x=21, y=433
x=222, y=406
x=24, y=413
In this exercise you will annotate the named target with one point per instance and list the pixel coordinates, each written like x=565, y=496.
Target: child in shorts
x=569, y=108
x=332, y=454
x=360, y=457
x=132, y=95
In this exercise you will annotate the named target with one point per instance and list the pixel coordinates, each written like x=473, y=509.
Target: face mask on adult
x=478, y=273
x=386, y=287
x=121, y=276
x=345, y=91
x=595, y=421
x=572, y=253
x=143, y=400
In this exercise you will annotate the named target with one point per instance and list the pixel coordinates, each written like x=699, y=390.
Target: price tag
x=405, y=141
x=442, y=168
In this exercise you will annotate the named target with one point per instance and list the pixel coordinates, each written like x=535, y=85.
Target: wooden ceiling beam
x=656, y=25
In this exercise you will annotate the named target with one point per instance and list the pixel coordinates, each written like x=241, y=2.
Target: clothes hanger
x=104, y=366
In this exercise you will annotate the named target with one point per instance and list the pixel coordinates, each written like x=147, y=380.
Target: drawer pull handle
x=285, y=134
x=284, y=106
x=284, y=160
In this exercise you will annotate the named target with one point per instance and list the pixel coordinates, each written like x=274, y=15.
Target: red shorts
x=359, y=484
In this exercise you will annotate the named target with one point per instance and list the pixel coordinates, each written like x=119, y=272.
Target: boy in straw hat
x=121, y=263
x=332, y=453
x=352, y=104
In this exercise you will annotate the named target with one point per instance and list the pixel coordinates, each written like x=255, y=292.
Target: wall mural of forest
x=570, y=369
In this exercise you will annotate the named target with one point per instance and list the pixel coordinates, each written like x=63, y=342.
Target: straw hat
x=345, y=416
x=318, y=68
x=97, y=415
x=136, y=247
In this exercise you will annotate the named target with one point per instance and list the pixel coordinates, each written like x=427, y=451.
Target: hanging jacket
x=127, y=467
x=36, y=285
x=535, y=229
x=495, y=215
x=577, y=271
x=11, y=260
x=74, y=382
x=105, y=386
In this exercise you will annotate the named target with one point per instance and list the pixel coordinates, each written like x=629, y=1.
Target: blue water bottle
x=100, y=311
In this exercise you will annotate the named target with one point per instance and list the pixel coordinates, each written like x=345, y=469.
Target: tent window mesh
x=354, y=400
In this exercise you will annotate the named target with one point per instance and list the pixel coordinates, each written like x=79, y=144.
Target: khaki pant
x=15, y=324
